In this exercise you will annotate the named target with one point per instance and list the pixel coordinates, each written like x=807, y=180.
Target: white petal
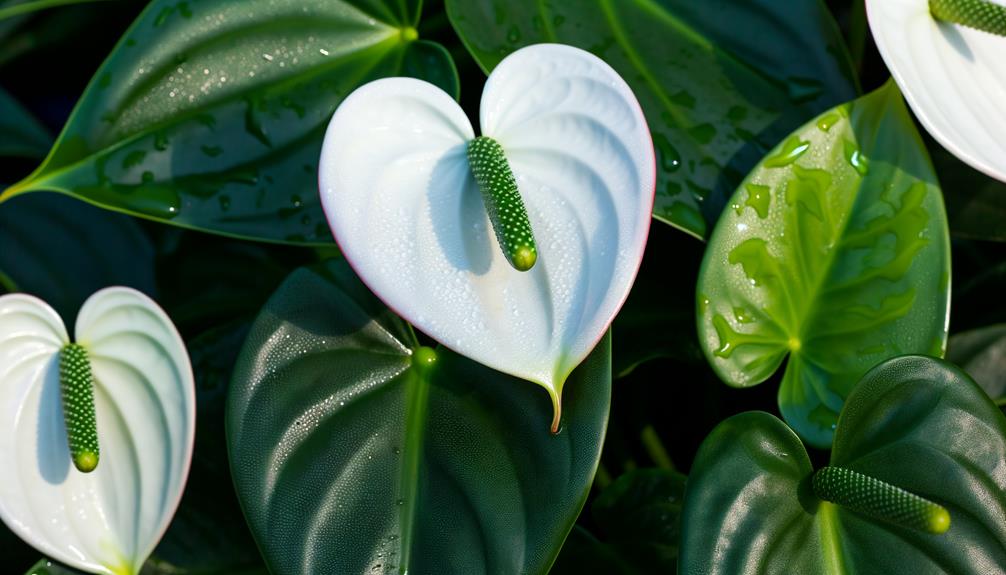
x=953, y=77
x=407, y=214
x=109, y=520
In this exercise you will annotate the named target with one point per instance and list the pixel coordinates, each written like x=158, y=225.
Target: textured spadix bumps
x=504, y=206
x=76, y=385
x=879, y=499
x=916, y=476
x=978, y=14
x=404, y=202
x=125, y=382
x=947, y=57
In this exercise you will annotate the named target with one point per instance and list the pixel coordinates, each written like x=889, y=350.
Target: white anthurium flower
x=446, y=252
x=96, y=435
x=947, y=56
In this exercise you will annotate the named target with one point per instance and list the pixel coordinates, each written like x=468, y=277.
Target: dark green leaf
x=834, y=252
x=658, y=318
x=46, y=567
x=720, y=81
x=582, y=553
x=914, y=422
x=352, y=455
x=976, y=203
x=982, y=353
x=63, y=251
x=151, y=567
x=210, y=114
x=208, y=533
x=20, y=133
x=639, y=514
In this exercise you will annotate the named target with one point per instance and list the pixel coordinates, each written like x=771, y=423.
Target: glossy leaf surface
x=63, y=251
x=716, y=95
x=210, y=114
x=353, y=454
x=914, y=422
x=20, y=133
x=834, y=252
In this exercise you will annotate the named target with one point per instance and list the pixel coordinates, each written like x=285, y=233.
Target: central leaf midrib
x=811, y=306
x=417, y=393
x=42, y=177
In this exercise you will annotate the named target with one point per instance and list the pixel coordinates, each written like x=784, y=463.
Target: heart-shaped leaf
x=835, y=252
x=953, y=77
x=20, y=133
x=210, y=114
x=354, y=450
x=108, y=520
x=914, y=422
x=715, y=92
x=407, y=213
x=61, y=251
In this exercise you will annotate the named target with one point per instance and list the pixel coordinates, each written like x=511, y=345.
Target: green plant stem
x=36, y=5
x=655, y=448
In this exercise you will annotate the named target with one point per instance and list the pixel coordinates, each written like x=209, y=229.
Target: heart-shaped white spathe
x=953, y=77
x=404, y=208
x=109, y=520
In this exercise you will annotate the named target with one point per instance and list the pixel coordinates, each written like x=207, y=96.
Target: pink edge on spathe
x=556, y=395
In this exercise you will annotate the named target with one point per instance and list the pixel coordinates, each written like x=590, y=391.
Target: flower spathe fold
x=407, y=211
x=947, y=58
x=99, y=516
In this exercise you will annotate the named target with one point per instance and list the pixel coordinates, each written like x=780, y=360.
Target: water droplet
x=790, y=151
x=856, y=159
x=825, y=122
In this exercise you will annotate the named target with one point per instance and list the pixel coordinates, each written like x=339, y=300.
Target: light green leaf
x=720, y=82
x=20, y=133
x=210, y=114
x=834, y=251
x=916, y=423
x=355, y=450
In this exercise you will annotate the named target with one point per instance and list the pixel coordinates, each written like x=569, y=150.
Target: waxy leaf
x=356, y=451
x=953, y=76
x=20, y=133
x=63, y=251
x=914, y=422
x=834, y=251
x=716, y=94
x=109, y=519
x=210, y=114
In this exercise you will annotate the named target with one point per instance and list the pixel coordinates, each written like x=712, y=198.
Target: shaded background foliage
x=665, y=399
